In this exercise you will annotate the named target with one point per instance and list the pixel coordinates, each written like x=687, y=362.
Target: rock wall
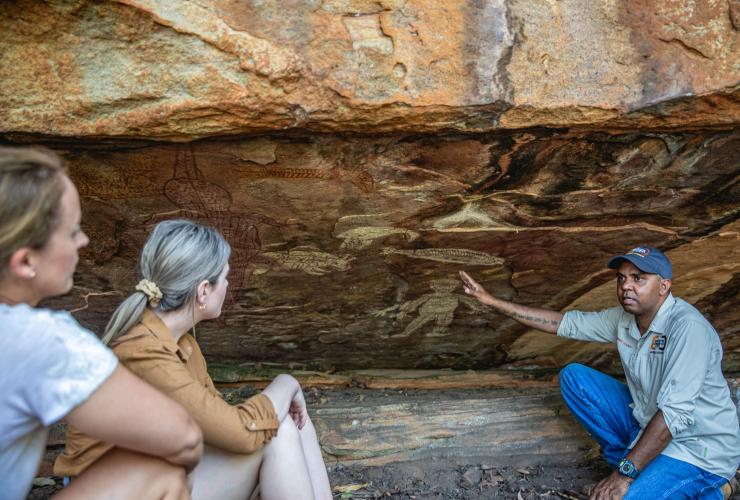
x=346, y=250
x=358, y=154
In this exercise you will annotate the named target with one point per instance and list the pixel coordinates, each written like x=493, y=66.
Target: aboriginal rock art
x=208, y=203
x=307, y=259
x=113, y=184
x=470, y=215
x=437, y=307
x=361, y=238
x=359, y=178
x=451, y=255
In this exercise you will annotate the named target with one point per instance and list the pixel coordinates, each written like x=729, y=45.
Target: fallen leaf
x=349, y=488
x=569, y=495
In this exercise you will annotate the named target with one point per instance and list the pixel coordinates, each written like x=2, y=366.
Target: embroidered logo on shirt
x=657, y=346
x=639, y=251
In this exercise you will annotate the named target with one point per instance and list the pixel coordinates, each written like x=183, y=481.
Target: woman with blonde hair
x=268, y=439
x=52, y=368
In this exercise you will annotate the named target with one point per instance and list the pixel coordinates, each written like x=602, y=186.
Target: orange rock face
x=358, y=154
x=156, y=69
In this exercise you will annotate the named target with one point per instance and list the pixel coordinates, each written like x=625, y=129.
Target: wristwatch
x=627, y=468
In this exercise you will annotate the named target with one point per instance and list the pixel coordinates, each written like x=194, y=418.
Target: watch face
x=627, y=468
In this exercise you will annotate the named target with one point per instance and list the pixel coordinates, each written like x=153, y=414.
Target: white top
x=49, y=364
x=676, y=367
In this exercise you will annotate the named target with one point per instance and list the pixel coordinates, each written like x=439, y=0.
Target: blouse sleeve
x=71, y=364
x=239, y=429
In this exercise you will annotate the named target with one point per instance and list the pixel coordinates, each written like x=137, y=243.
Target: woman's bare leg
x=122, y=474
x=289, y=467
x=285, y=474
x=225, y=476
x=316, y=465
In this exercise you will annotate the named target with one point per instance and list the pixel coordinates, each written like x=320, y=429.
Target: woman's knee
x=287, y=438
x=175, y=486
x=174, y=478
x=160, y=477
x=308, y=427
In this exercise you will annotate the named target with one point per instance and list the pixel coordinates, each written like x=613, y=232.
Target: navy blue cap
x=646, y=259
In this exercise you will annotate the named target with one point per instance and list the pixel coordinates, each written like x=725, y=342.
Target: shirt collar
x=659, y=321
x=661, y=318
x=627, y=322
x=154, y=324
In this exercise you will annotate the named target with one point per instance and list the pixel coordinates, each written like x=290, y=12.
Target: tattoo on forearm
x=527, y=317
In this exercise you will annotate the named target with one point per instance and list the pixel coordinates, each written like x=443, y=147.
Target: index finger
x=466, y=278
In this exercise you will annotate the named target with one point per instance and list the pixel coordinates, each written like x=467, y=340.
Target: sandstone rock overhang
x=183, y=70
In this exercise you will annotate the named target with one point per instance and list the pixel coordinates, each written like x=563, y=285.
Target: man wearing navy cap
x=672, y=429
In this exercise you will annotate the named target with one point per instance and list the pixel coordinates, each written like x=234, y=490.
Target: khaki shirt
x=179, y=371
x=676, y=367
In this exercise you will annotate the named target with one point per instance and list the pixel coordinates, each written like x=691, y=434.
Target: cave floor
x=452, y=443
x=439, y=479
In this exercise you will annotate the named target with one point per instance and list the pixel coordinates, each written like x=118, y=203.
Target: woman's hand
x=297, y=410
x=287, y=398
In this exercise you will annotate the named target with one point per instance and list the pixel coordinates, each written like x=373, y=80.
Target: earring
x=32, y=274
x=202, y=307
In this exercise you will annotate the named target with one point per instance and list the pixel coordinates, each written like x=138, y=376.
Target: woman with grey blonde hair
x=52, y=368
x=267, y=442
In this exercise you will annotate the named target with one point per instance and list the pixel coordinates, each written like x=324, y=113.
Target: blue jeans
x=601, y=404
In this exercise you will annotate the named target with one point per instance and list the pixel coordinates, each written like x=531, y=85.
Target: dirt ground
x=434, y=480
x=438, y=480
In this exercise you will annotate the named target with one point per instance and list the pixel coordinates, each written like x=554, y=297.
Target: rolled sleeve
x=600, y=326
x=259, y=415
x=687, y=352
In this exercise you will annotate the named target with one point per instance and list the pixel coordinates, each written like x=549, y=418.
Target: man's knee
x=570, y=374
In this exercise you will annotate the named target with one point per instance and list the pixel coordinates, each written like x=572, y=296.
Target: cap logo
x=639, y=251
